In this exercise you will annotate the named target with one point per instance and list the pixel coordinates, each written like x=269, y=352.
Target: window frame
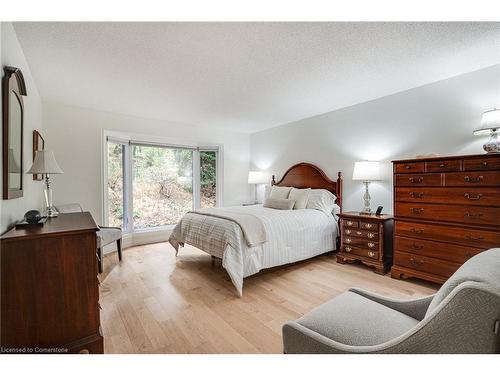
x=128, y=140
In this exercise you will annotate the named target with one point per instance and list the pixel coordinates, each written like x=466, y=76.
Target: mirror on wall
x=13, y=90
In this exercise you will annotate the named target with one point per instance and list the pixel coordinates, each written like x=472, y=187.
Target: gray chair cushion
x=106, y=235
x=355, y=320
x=482, y=268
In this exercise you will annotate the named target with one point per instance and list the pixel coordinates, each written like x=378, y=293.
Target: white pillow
x=280, y=192
x=322, y=200
x=279, y=203
x=301, y=197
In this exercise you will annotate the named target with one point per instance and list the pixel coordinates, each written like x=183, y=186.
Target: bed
x=250, y=238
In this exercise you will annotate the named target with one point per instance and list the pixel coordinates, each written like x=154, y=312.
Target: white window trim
x=127, y=138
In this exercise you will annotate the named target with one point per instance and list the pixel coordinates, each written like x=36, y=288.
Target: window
x=115, y=185
x=154, y=185
x=162, y=185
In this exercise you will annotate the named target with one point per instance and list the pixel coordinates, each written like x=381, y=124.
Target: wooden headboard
x=306, y=175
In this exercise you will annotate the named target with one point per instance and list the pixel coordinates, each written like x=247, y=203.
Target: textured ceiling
x=245, y=76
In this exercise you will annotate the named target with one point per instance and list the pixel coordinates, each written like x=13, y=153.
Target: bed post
x=273, y=181
x=339, y=190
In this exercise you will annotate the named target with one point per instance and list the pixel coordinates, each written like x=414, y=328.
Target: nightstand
x=366, y=238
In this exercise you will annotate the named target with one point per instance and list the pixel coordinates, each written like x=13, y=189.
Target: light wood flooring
x=153, y=302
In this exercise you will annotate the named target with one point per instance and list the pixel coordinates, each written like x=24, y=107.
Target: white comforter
x=293, y=235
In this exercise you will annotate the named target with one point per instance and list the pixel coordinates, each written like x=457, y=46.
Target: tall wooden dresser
x=447, y=209
x=50, y=291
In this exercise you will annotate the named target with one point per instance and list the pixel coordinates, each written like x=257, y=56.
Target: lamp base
x=493, y=144
x=52, y=212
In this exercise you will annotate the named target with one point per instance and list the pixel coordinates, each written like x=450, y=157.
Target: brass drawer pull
x=371, y=254
x=407, y=166
x=442, y=165
x=473, y=215
x=416, y=262
x=371, y=245
x=417, y=247
x=359, y=233
x=416, y=210
x=417, y=231
x=473, y=179
x=485, y=163
x=371, y=235
x=472, y=238
x=473, y=197
x=348, y=231
x=416, y=180
x=415, y=194
x=369, y=225
x=350, y=223
x=347, y=249
x=348, y=240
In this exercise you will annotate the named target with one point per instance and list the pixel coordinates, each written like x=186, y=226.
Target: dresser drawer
x=489, y=178
x=487, y=196
x=350, y=223
x=481, y=164
x=443, y=166
x=360, y=242
x=417, y=167
x=361, y=233
x=475, y=238
x=425, y=264
x=367, y=253
x=368, y=225
x=440, y=250
x=433, y=179
x=448, y=212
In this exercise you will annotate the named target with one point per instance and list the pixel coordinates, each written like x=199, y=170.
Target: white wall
x=14, y=209
x=437, y=118
x=75, y=135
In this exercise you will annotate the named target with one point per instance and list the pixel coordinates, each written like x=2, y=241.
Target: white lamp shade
x=45, y=163
x=257, y=177
x=366, y=171
x=490, y=122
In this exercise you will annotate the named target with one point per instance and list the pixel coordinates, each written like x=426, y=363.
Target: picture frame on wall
x=38, y=145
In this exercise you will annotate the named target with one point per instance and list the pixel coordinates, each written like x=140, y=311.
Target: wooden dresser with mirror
x=447, y=209
x=50, y=290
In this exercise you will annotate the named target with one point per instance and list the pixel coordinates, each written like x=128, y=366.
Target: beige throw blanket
x=251, y=226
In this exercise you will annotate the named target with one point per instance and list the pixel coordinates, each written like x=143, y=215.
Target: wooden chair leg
x=100, y=256
x=119, y=248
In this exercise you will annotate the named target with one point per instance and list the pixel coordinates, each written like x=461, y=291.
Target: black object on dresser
x=366, y=238
x=50, y=290
x=447, y=209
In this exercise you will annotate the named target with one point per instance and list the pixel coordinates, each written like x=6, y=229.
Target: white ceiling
x=245, y=76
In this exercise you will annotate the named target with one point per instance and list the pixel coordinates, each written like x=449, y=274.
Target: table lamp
x=45, y=163
x=256, y=178
x=490, y=125
x=366, y=171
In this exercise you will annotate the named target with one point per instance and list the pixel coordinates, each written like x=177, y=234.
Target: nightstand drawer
x=360, y=242
x=352, y=250
x=373, y=236
x=350, y=223
x=368, y=225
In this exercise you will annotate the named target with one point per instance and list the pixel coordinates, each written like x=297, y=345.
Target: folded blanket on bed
x=250, y=224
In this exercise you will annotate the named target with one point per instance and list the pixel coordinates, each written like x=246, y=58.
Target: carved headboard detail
x=306, y=175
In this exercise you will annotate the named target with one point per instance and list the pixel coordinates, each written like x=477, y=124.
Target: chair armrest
x=416, y=308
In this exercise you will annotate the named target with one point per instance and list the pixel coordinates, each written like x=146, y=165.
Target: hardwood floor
x=153, y=302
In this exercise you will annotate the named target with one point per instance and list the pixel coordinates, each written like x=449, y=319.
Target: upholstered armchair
x=462, y=317
x=105, y=235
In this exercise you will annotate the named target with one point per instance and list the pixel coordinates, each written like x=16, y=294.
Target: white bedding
x=292, y=235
